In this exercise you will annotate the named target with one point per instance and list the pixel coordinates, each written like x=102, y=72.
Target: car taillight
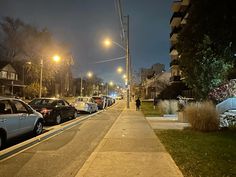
x=46, y=111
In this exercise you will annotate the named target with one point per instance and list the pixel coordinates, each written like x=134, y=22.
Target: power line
x=112, y=59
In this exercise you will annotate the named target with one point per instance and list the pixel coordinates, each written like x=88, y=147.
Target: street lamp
x=119, y=69
x=89, y=75
x=55, y=58
x=107, y=43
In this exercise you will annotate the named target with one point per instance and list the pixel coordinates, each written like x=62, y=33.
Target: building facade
x=150, y=72
x=177, y=22
x=153, y=86
x=9, y=80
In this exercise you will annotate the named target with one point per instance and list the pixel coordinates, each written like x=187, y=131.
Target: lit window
x=12, y=76
x=3, y=74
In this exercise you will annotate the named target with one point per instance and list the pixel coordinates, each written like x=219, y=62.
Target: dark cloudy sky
x=83, y=24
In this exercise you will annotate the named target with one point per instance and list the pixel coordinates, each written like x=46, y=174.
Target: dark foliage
x=173, y=91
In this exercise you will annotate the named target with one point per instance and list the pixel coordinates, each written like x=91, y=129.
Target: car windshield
x=44, y=102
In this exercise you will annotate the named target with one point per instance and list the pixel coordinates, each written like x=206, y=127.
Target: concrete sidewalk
x=130, y=149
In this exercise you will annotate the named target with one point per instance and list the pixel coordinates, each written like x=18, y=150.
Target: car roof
x=48, y=98
x=83, y=97
x=9, y=98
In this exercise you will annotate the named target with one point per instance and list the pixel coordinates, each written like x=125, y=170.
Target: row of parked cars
x=92, y=104
x=18, y=118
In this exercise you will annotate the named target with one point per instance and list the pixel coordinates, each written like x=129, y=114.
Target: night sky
x=83, y=24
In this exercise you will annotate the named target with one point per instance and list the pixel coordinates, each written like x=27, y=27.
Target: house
x=153, y=86
x=9, y=80
x=153, y=70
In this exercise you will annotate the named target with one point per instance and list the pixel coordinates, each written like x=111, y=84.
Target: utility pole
x=125, y=37
x=41, y=78
x=81, y=85
x=128, y=63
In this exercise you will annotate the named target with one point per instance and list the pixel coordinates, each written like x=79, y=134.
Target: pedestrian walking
x=138, y=103
x=155, y=102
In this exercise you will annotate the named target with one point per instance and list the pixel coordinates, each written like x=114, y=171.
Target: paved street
x=64, y=154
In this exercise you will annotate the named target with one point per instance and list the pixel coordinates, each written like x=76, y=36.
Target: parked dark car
x=54, y=110
x=17, y=118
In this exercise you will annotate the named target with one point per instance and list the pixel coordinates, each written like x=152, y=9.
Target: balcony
x=185, y=2
x=176, y=30
x=174, y=62
x=174, y=34
x=173, y=51
x=174, y=78
x=176, y=19
x=176, y=6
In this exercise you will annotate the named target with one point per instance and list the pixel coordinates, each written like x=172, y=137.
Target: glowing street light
x=90, y=74
x=119, y=69
x=111, y=83
x=107, y=42
x=56, y=58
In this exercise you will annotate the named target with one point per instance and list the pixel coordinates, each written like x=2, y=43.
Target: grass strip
x=202, y=154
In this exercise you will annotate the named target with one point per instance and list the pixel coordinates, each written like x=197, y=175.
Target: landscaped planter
x=182, y=117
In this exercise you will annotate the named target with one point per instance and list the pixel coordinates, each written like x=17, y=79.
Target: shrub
x=223, y=92
x=172, y=91
x=202, y=116
x=32, y=90
x=168, y=106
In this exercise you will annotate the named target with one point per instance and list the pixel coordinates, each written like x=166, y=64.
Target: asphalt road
x=63, y=154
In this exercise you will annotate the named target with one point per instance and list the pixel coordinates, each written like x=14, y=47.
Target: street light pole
x=107, y=90
x=41, y=78
x=81, y=86
x=128, y=64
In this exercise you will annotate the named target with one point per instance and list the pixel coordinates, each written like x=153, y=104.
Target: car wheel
x=38, y=129
x=75, y=115
x=58, y=119
x=2, y=141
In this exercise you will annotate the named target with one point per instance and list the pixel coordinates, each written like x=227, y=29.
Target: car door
x=9, y=120
x=69, y=109
x=93, y=104
x=26, y=119
x=62, y=109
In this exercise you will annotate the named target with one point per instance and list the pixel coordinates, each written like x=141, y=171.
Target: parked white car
x=18, y=118
x=85, y=104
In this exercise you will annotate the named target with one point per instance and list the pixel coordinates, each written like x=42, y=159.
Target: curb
x=7, y=153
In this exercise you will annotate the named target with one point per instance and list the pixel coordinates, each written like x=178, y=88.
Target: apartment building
x=177, y=21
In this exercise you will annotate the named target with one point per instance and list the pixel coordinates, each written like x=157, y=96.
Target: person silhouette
x=138, y=103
